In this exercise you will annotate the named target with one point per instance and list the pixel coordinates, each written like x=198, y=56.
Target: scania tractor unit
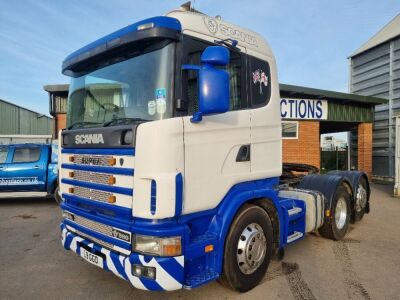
x=171, y=170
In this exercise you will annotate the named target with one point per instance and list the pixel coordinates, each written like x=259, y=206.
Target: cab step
x=294, y=237
x=294, y=210
x=200, y=279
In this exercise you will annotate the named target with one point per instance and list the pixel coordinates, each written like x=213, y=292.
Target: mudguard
x=326, y=184
x=353, y=177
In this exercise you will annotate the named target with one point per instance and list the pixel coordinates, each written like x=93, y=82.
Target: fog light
x=137, y=270
x=144, y=271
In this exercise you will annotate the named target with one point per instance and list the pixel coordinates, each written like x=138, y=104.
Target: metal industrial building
x=375, y=71
x=21, y=125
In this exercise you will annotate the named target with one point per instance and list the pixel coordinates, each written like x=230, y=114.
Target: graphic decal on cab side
x=260, y=77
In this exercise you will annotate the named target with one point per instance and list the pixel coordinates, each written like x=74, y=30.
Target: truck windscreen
x=136, y=89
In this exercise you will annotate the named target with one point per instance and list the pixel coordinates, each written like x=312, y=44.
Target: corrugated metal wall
x=18, y=120
x=376, y=72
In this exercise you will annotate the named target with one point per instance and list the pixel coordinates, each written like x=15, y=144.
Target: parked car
x=28, y=170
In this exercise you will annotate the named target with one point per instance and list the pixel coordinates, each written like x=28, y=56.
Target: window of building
x=194, y=49
x=260, y=82
x=3, y=154
x=26, y=154
x=290, y=130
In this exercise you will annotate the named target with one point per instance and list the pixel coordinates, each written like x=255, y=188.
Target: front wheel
x=248, y=249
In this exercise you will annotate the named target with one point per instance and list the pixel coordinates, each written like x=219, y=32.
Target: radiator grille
x=91, y=194
x=95, y=226
x=100, y=178
x=93, y=239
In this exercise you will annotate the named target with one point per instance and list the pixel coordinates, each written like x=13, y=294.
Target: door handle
x=243, y=153
x=36, y=167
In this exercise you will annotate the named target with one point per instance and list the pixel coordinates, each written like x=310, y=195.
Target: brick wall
x=305, y=149
x=365, y=148
x=60, y=123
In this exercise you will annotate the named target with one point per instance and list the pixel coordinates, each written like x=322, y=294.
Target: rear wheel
x=336, y=226
x=248, y=249
x=361, y=199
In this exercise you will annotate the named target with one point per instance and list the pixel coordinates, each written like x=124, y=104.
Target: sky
x=311, y=39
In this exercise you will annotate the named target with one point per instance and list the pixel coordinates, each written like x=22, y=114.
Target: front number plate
x=92, y=258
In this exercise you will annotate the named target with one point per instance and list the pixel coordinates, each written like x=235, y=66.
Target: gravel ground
x=366, y=265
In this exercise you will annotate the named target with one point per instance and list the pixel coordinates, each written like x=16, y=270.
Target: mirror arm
x=191, y=67
x=197, y=117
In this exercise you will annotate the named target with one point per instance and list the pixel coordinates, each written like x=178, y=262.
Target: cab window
x=193, y=51
x=26, y=154
x=3, y=154
x=260, y=82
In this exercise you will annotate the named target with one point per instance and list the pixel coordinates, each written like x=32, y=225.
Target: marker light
x=112, y=161
x=169, y=246
x=209, y=248
x=111, y=199
x=145, y=26
x=111, y=180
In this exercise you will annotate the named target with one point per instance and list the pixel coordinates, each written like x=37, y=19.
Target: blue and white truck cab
x=27, y=170
x=170, y=168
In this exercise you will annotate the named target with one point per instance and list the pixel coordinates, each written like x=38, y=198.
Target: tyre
x=248, y=249
x=336, y=226
x=57, y=196
x=361, y=199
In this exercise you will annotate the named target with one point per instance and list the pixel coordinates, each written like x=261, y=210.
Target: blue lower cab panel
x=169, y=270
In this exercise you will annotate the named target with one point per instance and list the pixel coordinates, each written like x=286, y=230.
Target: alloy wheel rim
x=251, y=248
x=340, y=213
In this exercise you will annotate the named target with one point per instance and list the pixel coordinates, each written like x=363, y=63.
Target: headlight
x=160, y=246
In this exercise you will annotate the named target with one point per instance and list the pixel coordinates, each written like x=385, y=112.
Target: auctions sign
x=304, y=109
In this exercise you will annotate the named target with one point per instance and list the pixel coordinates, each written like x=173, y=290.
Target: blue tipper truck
x=171, y=164
x=28, y=170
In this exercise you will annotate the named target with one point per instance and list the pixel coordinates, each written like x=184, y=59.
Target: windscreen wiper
x=123, y=120
x=82, y=123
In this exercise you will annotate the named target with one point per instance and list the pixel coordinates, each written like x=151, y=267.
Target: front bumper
x=169, y=270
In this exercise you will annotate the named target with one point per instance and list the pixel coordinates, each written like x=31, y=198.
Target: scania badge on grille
x=95, y=138
x=121, y=235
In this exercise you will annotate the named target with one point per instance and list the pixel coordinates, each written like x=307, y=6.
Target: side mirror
x=213, y=83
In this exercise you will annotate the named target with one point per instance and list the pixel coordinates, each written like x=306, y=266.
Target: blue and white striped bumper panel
x=169, y=270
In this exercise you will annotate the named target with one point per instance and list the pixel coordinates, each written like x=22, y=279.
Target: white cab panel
x=159, y=156
x=211, y=147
